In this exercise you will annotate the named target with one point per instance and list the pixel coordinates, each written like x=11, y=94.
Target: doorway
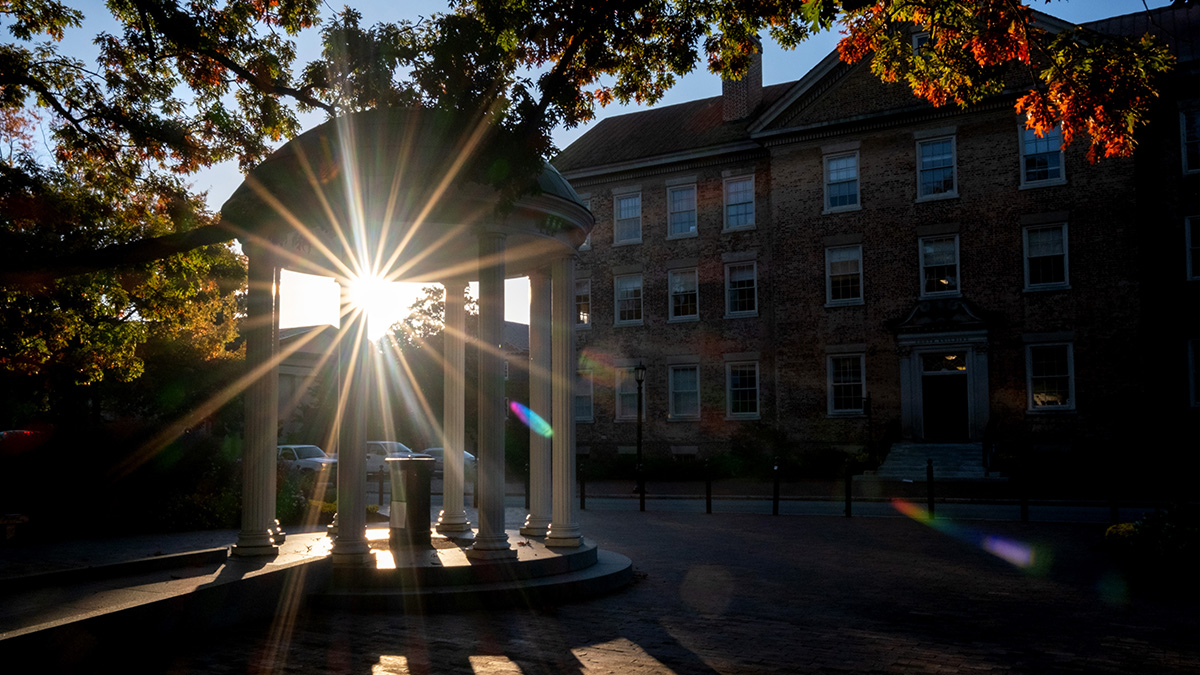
x=945, y=402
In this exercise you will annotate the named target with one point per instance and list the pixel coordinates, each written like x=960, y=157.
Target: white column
x=564, y=529
x=454, y=515
x=537, y=523
x=350, y=548
x=491, y=541
x=262, y=408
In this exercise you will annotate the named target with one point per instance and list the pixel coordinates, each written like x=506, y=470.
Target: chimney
x=739, y=98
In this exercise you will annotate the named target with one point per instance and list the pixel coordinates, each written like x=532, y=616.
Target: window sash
x=681, y=211
x=628, y=298
x=936, y=167
x=685, y=391
x=847, y=386
x=1051, y=377
x=1191, y=140
x=841, y=181
x=739, y=203
x=628, y=215
x=685, y=296
x=843, y=274
x=584, y=396
x=742, y=387
x=1042, y=157
x=939, y=265
x=741, y=286
x=627, y=394
x=583, y=302
x=1045, y=256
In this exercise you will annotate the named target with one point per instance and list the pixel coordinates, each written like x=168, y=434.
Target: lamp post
x=639, y=374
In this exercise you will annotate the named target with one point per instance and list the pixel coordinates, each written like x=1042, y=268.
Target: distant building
x=836, y=260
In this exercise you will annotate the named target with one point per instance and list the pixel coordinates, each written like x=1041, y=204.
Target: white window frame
x=729, y=413
x=857, y=205
x=725, y=188
x=1183, y=138
x=694, y=231
x=919, y=40
x=957, y=267
x=641, y=300
x=1052, y=285
x=1191, y=237
x=1070, y=405
x=832, y=410
x=673, y=413
x=617, y=241
x=829, y=301
x=626, y=378
x=586, y=322
x=729, y=312
x=953, y=191
x=1023, y=134
x=671, y=276
x=585, y=388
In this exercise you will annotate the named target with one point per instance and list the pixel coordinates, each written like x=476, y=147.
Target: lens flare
x=532, y=420
x=1018, y=553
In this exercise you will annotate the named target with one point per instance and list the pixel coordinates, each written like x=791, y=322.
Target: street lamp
x=639, y=374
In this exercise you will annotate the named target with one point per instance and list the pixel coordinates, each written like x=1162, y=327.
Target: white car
x=440, y=455
x=306, y=459
x=379, y=451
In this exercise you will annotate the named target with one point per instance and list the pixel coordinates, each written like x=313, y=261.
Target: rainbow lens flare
x=531, y=419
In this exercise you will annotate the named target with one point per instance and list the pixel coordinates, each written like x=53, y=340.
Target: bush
x=1162, y=547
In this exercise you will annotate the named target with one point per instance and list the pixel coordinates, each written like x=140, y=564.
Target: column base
x=352, y=554
x=255, y=544
x=563, y=542
x=453, y=522
x=535, y=527
x=490, y=553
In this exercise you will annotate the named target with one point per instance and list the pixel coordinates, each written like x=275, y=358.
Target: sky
x=307, y=302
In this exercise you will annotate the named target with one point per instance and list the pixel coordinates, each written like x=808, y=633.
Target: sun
x=384, y=302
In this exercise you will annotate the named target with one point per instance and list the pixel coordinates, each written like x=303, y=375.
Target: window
x=1041, y=158
x=685, y=298
x=1191, y=232
x=628, y=291
x=919, y=40
x=685, y=392
x=587, y=242
x=742, y=389
x=583, y=303
x=1051, y=372
x=627, y=211
x=939, y=266
x=841, y=182
x=627, y=395
x=935, y=168
x=843, y=275
x=1190, y=122
x=583, y=396
x=847, y=386
x=681, y=211
x=739, y=203
x=1045, y=257
x=741, y=289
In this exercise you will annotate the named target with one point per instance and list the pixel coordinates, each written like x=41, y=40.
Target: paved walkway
x=749, y=593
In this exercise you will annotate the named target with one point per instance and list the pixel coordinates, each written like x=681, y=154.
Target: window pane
x=1042, y=155
x=1050, y=376
x=846, y=381
x=845, y=276
x=682, y=210
x=1046, y=255
x=939, y=258
x=739, y=203
x=629, y=218
x=743, y=389
x=937, y=167
x=685, y=392
x=741, y=288
x=583, y=395
x=684, y=295
x=842, y=181
x=629, y=298
x=1191, y=139
x=583, y=302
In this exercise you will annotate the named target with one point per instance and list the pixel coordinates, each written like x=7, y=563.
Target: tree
x=103, y=234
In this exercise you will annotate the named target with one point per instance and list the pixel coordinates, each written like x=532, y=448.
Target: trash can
x=409, y=520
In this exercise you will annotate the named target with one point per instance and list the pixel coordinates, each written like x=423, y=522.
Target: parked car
x=379, y=451
x=307, y=460
x=469, y=463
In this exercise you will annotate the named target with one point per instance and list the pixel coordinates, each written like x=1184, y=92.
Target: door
x=944, y=397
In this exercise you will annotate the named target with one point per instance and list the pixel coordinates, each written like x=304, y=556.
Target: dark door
x=944, y=407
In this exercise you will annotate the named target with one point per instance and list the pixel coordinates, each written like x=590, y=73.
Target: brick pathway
x=756, y=594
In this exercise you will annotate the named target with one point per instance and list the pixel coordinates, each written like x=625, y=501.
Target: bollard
x=849, y=487
x=380, y=477
x=707, y=489
x=775, y=496
x=527, y=479
x=582, y=492
x=929, y=484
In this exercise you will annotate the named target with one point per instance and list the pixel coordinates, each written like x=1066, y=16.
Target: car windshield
x=395, y=447
x=309, y=452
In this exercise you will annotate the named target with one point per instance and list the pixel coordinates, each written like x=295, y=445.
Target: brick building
x=843, y=263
